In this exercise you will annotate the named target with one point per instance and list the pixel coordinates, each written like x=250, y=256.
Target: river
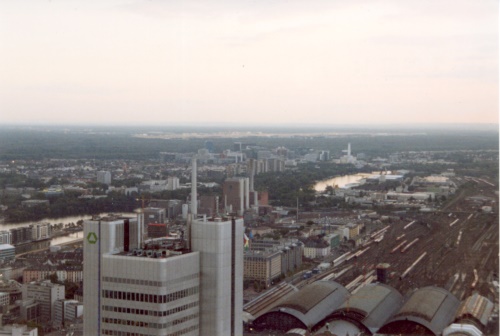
x=341, y=181
x=65, y=220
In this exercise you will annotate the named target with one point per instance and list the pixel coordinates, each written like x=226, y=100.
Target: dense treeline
x=68, y=204
x=16, y=144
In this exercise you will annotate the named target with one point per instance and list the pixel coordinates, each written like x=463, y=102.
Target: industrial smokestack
x=349, y=149
x=251, y=169
x=247, y=194
x=242, y=196
x=194, y=192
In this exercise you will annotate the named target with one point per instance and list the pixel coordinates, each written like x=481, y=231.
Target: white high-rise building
x=165, y=290
x=220, y=244
x=104, y=177
x=173, y=183
x=128, y=290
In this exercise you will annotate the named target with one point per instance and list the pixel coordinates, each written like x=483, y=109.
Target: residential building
x=5, y=237
x=316, y=248
x=40, y=231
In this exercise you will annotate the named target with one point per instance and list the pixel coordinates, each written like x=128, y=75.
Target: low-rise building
x=66, y=310
x=45, y=293
x=7, y=252
x=316, y=248
x=262, y=266
x=18, y=330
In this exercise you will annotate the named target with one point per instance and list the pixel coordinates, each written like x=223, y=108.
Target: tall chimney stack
x=194, y=192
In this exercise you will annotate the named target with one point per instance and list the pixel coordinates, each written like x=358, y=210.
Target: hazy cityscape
x=249, y=168
x=335, y=232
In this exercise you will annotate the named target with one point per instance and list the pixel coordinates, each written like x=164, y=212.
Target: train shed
x=428, y=310
x=476, y=310
x=303, y=309
x=365, y=311
x=263, y=303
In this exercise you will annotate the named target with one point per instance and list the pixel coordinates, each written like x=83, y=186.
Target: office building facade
x=220, y=244
x=128, y=290
x=131, y=290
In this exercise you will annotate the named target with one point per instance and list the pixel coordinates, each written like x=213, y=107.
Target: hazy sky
x=269, y=62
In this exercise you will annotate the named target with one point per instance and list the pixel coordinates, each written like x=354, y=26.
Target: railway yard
x=455, y=248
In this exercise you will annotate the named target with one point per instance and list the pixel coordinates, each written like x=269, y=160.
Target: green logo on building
x=92, y=238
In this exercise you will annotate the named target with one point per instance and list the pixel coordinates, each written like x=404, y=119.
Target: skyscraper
x=220, y=244
x=130, y=289
x=236, y=194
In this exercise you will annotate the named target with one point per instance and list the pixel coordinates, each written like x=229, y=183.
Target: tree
x=53, y=278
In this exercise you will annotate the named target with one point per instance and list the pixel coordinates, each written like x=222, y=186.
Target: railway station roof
x=475, y=307
x=430, y=308
x=371, y=306
x=263, y=303
x=305, y=308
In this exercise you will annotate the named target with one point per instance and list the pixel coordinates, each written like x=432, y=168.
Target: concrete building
x=316, y=248
x=353, y=230
x=324, y=155
x=20, y=235
x=173, y=183
x=157, y=230
x=46, y=294
x=236, y=195
x=220, y=244
x=30, y=310
x=208, y=205
x=262, y=266
x=163, y=291
x=172, y=207
x=7, y=252
x=18, y=330
x=291, y=252
x=40, y=231
x=153, y=215
x=104, y=177
x=130, y=290
x=4, y=299
x=66, y=310
x=5, y=237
